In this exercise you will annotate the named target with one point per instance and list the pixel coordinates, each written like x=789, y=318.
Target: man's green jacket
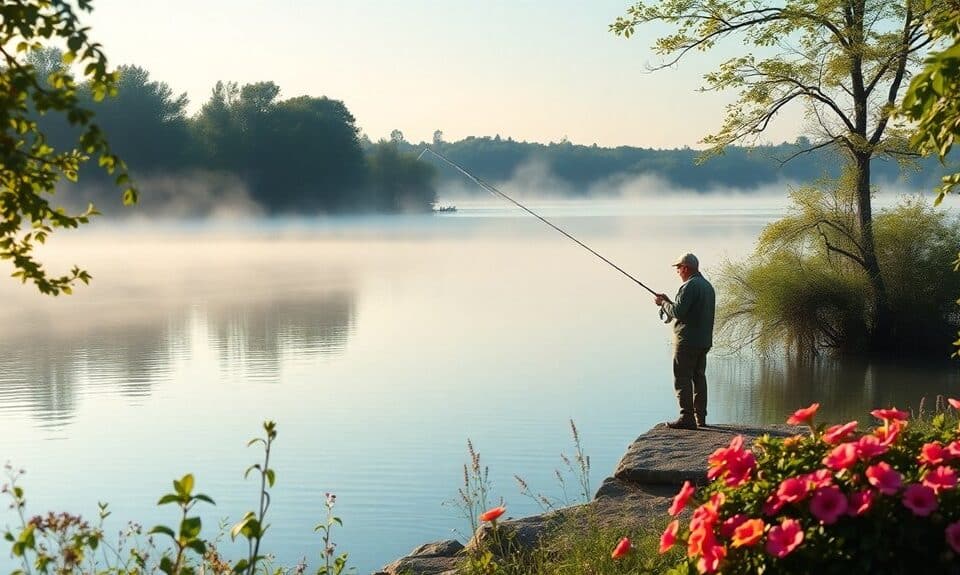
x=693, y=311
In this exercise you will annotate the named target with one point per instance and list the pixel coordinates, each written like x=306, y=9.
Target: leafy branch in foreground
x=30, y=168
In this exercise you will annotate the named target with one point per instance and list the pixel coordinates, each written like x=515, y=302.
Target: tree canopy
x=843, y=61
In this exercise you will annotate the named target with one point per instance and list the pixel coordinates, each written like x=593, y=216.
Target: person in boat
x=692, y=312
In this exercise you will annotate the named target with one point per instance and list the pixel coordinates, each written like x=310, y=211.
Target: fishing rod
x=497, y=192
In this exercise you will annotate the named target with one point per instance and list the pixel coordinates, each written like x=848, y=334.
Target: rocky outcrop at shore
x=642, y=486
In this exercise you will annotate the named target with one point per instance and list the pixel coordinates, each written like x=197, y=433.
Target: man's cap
x=688, y=260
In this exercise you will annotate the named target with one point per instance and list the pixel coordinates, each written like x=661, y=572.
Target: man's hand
x=660, y=299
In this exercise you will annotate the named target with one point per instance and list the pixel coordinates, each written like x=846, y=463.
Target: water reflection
x=47, y=374
x=763, y=390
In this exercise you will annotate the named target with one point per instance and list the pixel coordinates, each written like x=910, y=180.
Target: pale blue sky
x=536, y=71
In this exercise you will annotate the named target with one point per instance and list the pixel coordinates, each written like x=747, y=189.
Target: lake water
x=379, y=345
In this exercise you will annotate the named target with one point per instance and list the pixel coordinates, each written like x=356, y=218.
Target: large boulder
x=665, y=456
x=439, y=558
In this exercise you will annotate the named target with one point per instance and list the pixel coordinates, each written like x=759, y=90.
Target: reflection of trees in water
x=45, y=375
x=258, y=334
x=769, y=390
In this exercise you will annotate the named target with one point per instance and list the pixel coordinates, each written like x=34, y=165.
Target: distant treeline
x=307, y=155
x=299, y=155
x=583, y=169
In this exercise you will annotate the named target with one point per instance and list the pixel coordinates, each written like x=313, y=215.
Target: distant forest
x=306, y=155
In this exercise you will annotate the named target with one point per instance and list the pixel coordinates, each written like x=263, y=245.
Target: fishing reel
x=665, y=316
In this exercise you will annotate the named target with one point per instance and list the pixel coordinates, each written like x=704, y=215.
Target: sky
x=532, y=70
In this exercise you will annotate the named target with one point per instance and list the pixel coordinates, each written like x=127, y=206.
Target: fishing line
x=495, y=191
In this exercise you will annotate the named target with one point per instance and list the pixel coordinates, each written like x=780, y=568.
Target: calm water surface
x=379, y=345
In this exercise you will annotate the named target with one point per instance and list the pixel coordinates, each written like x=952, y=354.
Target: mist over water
x=379, y=344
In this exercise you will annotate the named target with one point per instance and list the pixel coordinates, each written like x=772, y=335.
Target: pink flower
x=730, y=525
x=842, y=456
x=940, y=478
x=701, y=538
x=819, y=478
x=784, y=538
x=492, y=514
x=837, y=433
x=748, y=533
x=828, y=504
x=889, y=432
x=920, y=499
x=933, y=453
x=734, y=463
x=955, y=403
x=869, y=447
x=803, y=416
x=669, y=536
x=772, y=505
x=705, y=515
x=953, y=530
x=953, y=449
x=860, y=502
x=792, y=489
x=710, y=561
x=885, y=478
x=681, y=499
x=890, y=414
x=622, y=548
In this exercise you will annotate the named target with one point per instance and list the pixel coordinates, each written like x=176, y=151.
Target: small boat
x=445, y=209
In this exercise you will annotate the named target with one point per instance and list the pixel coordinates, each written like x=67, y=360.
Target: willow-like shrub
x=803, y=289
x=837, y=500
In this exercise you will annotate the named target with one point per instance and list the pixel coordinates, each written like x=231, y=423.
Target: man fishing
x=692, y=313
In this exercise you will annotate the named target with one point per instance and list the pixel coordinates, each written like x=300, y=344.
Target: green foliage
x=805, y=290
x=62, y=543
x=932, y=98
x=883, y=500
x=332, y=564
x=252, y=527
x=187, y=536
x=843, y=61
x=398, y=181
x=32, y=85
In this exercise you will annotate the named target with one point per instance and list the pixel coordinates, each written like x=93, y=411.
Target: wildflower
x=955, y=403
x=804, y=416
x=953, y=449
x=869, y=446
x=860, y=502
x=730, y=525
x=920, y=499
x=890, y=414
x=622, y=548
x=710, y=560
x=748, y=533
x=953, y=530
x=885, y=478
x=792, y=440
x=819, y=478
x=828, y=504
x=784, y=538
x=682, y=498
x=837, y=433
x=933, y=453
x=940, y=478
x=669, y=536
x=706, y=514
x=734, y=463
x=889, y=432
x=701, y=538
x=493, y=514
x=792, y=489
x=842, y=456
x=772, y=505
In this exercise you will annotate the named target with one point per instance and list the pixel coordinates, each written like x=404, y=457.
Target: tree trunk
x=881, y=329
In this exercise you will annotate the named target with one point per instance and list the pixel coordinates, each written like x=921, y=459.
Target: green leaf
x=162, y=529
x=241, y=566
x=204, y=498
x=271, y=477
x=198, y=546
x=168, y=498
x=190, y=527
